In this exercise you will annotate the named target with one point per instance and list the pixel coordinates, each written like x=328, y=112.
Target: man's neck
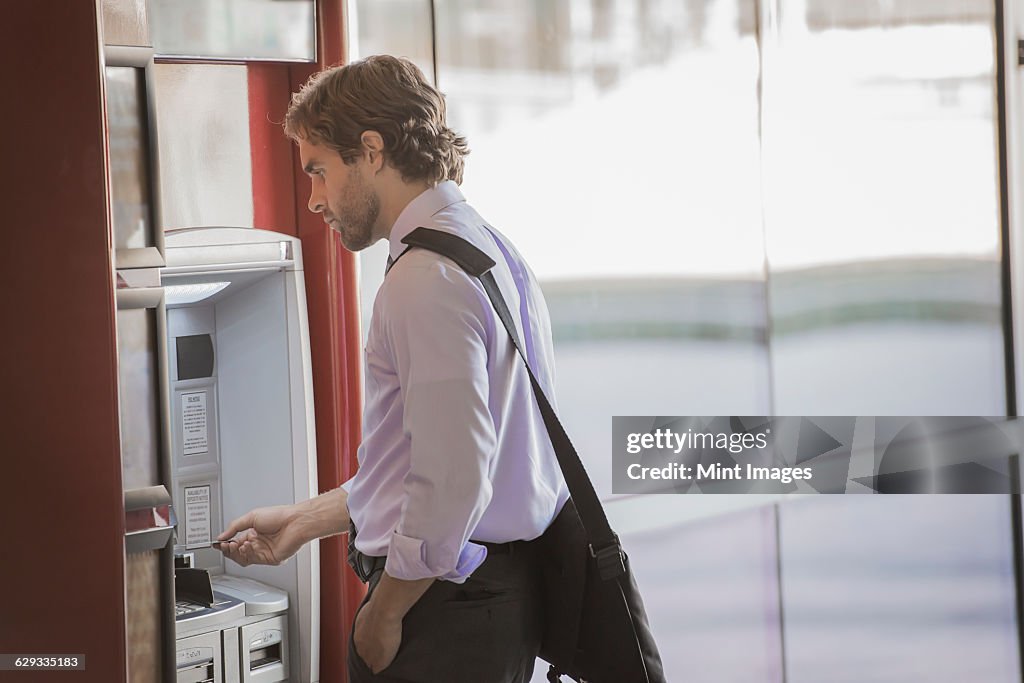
x=399, y=197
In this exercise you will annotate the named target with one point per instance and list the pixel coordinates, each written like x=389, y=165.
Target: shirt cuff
x=408, y=560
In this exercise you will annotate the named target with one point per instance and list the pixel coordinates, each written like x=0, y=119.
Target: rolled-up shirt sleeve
x=436, y=331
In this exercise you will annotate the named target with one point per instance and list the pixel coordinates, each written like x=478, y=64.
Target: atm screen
x=195, y=356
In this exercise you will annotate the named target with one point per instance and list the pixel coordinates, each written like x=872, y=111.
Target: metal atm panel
x=242, y=427
x=199, y=659
x=263, y=659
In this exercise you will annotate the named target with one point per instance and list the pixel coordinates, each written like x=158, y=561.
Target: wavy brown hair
x=386, y=94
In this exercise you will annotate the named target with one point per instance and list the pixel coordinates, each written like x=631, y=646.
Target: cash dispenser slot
x=265, y=651
x=197, y=673
x=265, y=656
x=198, y=659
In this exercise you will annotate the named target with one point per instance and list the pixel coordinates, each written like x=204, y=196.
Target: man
x=456, y=472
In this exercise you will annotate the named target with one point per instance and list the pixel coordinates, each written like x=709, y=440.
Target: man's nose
x=316, y=204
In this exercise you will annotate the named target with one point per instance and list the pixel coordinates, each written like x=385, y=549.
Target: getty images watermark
x=658, y=454
x=699, y=442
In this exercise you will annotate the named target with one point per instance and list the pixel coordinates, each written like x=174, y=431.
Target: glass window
x=882, y=589
x=138, y=369
x=124, y=23
x=234, y=29
x=129, y=157
x=711, y=593
x=881, y=211
x=403, y=28
x=204, y=146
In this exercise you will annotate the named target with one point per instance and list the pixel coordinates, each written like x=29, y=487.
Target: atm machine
x=242, y=436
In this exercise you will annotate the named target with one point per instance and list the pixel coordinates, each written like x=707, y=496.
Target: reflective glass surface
x=202, y=112
x=881, y=208
x=129, y=157
x=883, y=589
x=380, y=32
x=125, y=23
x=234, y=29
x=139, y=397
x=711, y=592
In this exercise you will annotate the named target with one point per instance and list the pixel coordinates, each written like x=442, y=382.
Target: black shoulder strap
x=469, y=258
x=478, y=264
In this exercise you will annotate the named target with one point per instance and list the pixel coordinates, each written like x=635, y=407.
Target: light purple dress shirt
x=454, y=447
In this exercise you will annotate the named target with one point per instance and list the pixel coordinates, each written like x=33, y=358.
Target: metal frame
x=155, y=538
x=349, y=30
x=153, y=298
x=433, y=43
x=1008, y=17
x=142, y=58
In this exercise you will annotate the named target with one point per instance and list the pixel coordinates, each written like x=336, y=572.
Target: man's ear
x=373, y=148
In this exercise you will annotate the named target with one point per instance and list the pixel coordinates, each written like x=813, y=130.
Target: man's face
x=341, y=193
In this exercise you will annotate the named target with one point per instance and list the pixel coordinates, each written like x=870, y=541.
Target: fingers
x=239, y=549
x=232, y=552
x=246, y=521
x=249, y=548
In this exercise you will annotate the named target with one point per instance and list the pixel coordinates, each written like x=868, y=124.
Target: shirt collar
x=420, y=210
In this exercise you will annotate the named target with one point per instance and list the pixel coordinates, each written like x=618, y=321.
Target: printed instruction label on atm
x=197, y=515
x=194, y=435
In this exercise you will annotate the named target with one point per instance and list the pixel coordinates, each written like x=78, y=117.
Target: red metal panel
x=273, y=186
x=62, y=505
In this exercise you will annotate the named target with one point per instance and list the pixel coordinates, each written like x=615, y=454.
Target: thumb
x=244, y=522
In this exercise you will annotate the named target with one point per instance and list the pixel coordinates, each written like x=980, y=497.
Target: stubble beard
x=360, y=215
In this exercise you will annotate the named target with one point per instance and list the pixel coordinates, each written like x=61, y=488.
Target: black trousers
x=486, y=630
